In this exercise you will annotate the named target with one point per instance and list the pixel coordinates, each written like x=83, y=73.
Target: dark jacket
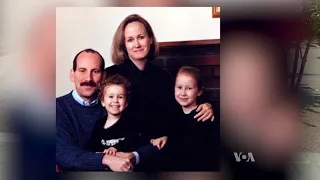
x=152, y=99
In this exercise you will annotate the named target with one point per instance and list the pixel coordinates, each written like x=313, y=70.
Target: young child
x=114, y=132
x=194, y=141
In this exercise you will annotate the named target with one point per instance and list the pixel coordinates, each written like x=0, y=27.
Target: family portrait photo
x=137, y=89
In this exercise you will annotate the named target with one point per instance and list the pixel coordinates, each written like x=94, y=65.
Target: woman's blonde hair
x=118, y=50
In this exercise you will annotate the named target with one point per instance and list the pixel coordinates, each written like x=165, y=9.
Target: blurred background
x=269, y=89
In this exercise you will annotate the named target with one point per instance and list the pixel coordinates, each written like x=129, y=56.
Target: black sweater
x=152, y=99
x=122, y=135
x=74, y=124
x=195, y=146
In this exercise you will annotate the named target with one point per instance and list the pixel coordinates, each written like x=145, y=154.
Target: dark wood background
x=202, y=54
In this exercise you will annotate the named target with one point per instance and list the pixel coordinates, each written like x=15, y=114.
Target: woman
x=153, y=104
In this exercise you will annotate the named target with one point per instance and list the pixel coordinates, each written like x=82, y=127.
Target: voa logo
x=244, y=157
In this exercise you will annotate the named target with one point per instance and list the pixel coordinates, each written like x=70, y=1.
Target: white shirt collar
x=81, y=101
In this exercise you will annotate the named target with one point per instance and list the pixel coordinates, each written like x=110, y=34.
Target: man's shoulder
x=63, y=99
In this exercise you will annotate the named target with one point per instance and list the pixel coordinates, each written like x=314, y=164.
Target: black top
x=152, y=97
x=122, y=135
x=196, y=145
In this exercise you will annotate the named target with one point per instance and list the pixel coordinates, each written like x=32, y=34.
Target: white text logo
x=245, y=157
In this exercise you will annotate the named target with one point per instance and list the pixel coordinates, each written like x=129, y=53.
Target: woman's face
x=137, y=41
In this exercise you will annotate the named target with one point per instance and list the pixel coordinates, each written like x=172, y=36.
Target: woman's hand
x=159, y=142
x=205, y=113
x=111, y=151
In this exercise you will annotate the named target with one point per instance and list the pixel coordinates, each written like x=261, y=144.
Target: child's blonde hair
x=194, y=72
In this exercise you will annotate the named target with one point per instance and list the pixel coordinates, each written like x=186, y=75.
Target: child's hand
x=159, y=142
x=111, y=151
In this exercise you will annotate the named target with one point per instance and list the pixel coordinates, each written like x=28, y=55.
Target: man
x=76, y=115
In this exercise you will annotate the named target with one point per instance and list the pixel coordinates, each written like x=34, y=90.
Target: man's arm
x=69, y=155
x=73, y=158
x=143, y=154
x=146, y=152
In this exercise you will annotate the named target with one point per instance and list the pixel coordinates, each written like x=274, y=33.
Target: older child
x=194, y=141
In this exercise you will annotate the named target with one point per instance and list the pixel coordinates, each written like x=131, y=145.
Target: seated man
x=76, y=115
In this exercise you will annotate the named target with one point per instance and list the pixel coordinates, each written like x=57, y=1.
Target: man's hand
x=159, y=142
x=117, y=164
x=128, y=155
x=111, y=151
x=205, y=113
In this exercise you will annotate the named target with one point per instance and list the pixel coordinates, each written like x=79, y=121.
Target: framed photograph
x=215, y=12
x=175, y=52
